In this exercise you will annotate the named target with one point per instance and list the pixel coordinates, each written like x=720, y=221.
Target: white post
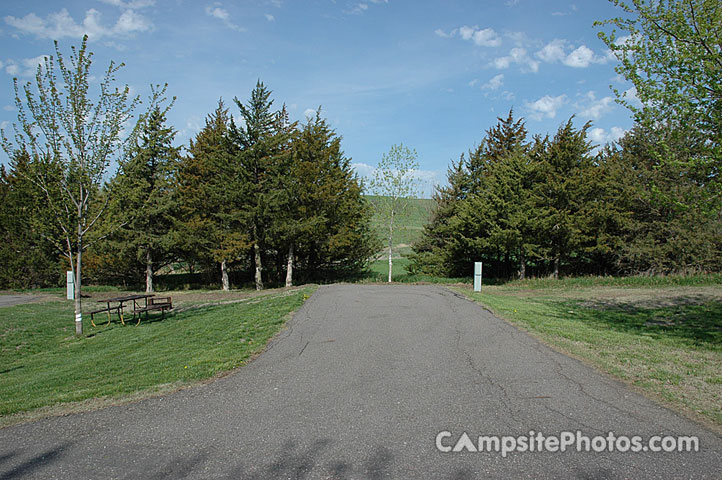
x=70, y=289
x=477, y=276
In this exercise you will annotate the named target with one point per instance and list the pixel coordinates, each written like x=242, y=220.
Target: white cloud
x=358, y=9
x=596, y=108
x=443, y=34
x=269, y=17
x=9, y=108
x=518, y=56
x=133, y=4
x=558, y=51
x=494, y=83
x=631, y=96
x=60, y=24
x=217, y=11
x=601, y=136
x=486, y=37
x=553, y=51
x=309, y=113
x=580, y=58
x=363, y=169
x=27, y=67
x=546, y=106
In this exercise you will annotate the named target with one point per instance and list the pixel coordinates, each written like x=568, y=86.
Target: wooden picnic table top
x=127, y=298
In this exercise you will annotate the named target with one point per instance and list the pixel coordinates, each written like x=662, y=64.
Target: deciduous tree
x=71, y=140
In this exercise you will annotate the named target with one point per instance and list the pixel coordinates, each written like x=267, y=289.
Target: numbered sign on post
x=71, y=286
x=477, y=276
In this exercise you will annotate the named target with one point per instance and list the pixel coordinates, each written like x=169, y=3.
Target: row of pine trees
x=548, y=206
x=256, y=199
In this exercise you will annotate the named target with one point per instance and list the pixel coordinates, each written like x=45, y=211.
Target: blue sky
x=431, y=75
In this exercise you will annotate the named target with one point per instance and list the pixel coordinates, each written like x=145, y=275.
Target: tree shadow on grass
x=692, y=319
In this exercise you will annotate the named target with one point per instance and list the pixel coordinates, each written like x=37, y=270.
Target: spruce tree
x=262, y=161
x=212, y=230
x=327, y=223
x=144, y=189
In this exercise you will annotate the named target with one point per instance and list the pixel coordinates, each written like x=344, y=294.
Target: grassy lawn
x=408, y=228
x=379, y=272
x=43, y=364
x=663, y=336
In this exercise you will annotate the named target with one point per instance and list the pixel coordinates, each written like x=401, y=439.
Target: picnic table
x=150, y=303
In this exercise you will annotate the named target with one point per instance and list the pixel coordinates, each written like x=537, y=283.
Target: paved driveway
x=359, y=386
x=9, y=300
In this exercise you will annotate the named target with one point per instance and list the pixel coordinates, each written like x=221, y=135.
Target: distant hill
x=409, y=228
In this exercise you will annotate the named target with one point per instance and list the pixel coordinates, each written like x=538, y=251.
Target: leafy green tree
x=211, y=228
x=395, y=185
x=145, y=196
x=671, y=52
x=477, y=214
x=29, y=259
x=262, y=161
x=71, y=140
x=664, y=228
x=561, y=193
x=326, y=225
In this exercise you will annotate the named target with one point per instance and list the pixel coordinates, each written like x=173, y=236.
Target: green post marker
x=477, y=276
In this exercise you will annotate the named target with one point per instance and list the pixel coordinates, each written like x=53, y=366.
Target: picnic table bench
x=160, y=303
x=150, y=304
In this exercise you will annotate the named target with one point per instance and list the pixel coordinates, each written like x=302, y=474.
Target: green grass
x=409, y=227
x=42, y=362
x=667, y=341
x=379, y=272
x=630, y=281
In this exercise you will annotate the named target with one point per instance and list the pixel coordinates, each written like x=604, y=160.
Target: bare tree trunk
x=77, y=287
x=391, y=241
x=224, y=276
x=289, y=267
x=556, y=267
x=522, y=267
x=257, y=260
x=148, y=271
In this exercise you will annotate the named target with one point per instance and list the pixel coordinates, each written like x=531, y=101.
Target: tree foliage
x=394, y=185
x=671, y=51
x=70, y=139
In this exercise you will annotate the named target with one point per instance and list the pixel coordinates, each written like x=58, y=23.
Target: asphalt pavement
x=10, y=300
x=359, y=386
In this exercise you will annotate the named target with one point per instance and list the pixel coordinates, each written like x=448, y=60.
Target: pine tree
x=145, y=192
x=29, y=259
x=262, y=162
x=560, y=194
x=212, y=232
x=326, y=224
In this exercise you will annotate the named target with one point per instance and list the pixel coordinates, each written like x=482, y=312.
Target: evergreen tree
x=665, y=228
x=263, y=158
x=477, y=217
x=561, y=194
x=327, y=222
x=29, y=259
x=145, y=192
x=212, y=232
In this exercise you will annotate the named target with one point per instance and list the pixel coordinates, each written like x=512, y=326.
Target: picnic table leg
x=120, y=312
x=108, y=315
x=91, y=320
